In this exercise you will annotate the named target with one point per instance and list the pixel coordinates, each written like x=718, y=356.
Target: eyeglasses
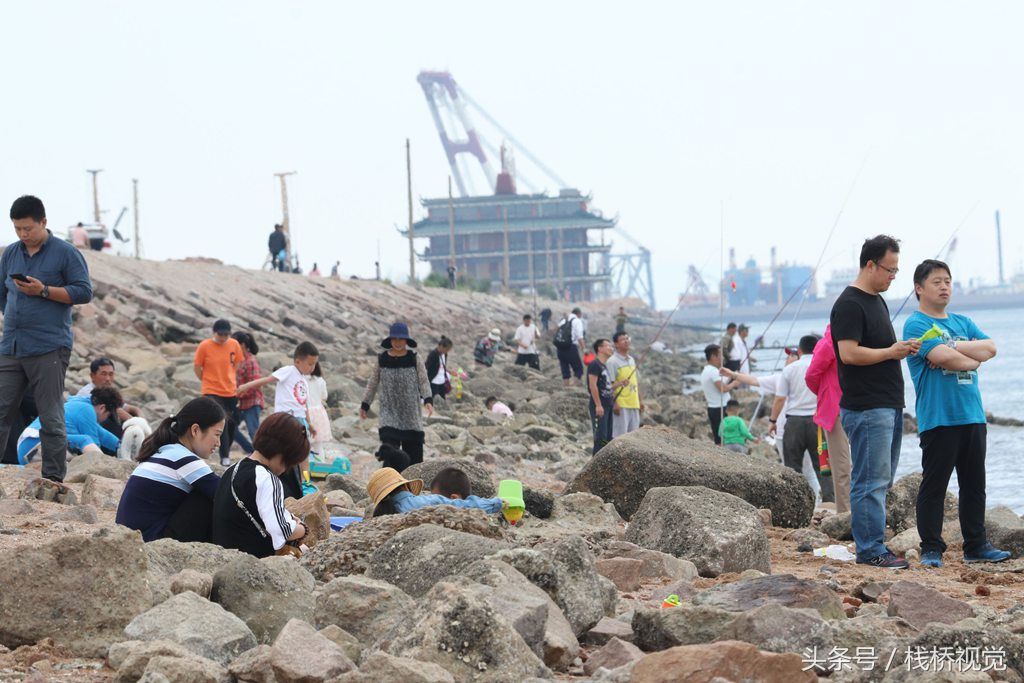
x=891, y=271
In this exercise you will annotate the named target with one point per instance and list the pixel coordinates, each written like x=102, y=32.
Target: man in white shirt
x=740, y=353
x=526, y=343
x=800, y=405
x=716, y=388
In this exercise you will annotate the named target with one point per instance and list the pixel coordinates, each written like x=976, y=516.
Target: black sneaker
x=886, y=561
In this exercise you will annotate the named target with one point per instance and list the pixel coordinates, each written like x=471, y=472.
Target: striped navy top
x=159, y=485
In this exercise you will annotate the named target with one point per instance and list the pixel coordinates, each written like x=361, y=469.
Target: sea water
x=1002, y=391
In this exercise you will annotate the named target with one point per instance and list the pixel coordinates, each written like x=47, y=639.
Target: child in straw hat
x=391, y=493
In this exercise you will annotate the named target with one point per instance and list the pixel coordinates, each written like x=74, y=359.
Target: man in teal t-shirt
x=950, y=417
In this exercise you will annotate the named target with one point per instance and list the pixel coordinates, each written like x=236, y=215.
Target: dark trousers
x=437, y=390
x=944, y=449
x=192, y=522
x=250, y=417
x=715, y=420
x=44, y=376
x=230, y=406
x=409, y=441
x=531, y=359
x=802, y=435
x=20, y=418
x=601, y=426
x=569, y=359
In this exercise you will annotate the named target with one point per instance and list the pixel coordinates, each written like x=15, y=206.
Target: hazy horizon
x=672, y=117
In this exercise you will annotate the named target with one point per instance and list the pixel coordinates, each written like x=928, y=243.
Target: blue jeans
x=251, y=418
x=875, y=437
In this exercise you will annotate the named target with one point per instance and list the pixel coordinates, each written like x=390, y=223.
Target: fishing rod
x=944, y=246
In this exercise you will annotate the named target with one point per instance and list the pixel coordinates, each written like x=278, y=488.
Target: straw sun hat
x=387, y=479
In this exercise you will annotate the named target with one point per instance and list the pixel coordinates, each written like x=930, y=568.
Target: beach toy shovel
x=934, y=333
x=511, y=491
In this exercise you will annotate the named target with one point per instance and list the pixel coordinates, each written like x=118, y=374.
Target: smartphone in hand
x=19, y=277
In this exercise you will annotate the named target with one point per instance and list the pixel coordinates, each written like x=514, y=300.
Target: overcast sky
x=662, y=110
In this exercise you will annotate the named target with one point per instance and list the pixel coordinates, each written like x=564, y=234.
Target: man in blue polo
x=950, y=418
x=42, y=278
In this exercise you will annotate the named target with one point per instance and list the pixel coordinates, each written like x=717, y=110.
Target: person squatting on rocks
x=36, y=345
x=126, y=423
x=727, y=345
x=800, y=404
x=216, y=365
x=291, y=395
x=733, y=430
x=628, y=402
x=497, y=407
x=599, y=390
x=569, y=343
x=487, y=347
x=823, y=379
x=391, y=493
x=868, y=360
x=437, y=368
x=250, y=403
x=82, y=418
x=526, y=343
x=716, y=388
x=248, y=508
x=951, y=420
x=170, y=494
x=404, y=387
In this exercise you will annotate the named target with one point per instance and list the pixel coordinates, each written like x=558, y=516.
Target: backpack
x=563, y=337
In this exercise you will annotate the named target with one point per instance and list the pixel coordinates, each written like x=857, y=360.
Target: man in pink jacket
x=823, y=379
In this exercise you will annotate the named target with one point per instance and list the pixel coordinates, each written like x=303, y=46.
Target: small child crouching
x=733, y=429
x=391, y=493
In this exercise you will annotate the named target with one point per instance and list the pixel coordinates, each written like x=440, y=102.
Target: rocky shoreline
x=576, y=592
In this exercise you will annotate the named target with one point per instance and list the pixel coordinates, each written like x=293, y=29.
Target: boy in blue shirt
x=950, y=417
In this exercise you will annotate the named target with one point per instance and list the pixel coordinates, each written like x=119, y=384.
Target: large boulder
x=169, y=558
x=838, y=526
x=566, y=571
x=381, y=666
x=265, y=594
x=301, y=655
x=776, y=628
x=1006, y=648
x=349, y=551
x=200, y=626
x=920, y=605
x=97, y=464
x=716, y=531
x=724, y=661
x=134, y=659
x=782, y=589
x=455, y=628
x=415, y=559
x=532, y=612
x=901, y=503
x=1005, y=530
x=367, y=608
x=480, y=480
x=576, y=514
x=624, y=470
x=79, y=590
x=687, y=624
x=655, y=565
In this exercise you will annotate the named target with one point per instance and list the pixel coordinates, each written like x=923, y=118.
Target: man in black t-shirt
x=599, y=388
x=868, y=360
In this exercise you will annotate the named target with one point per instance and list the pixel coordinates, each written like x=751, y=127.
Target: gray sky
x=662, y=111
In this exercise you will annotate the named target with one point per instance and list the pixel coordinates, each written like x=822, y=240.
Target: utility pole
x=285, y=221
x=412, y=245
x=506, y=270
x=95, y=194
x=999, y=246
x=135, y=213
x=451, y=225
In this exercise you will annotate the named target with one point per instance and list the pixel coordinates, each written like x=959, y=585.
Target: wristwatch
x=46, y=292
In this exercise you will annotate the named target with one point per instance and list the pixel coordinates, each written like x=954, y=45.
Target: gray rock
x=190, y=669
x=103, y=493
x=415, y=559
x=901, y=503
x=79, y=590
x=254, y=666
x=129, y=658
x=921, y=605
x=612, y=655
x=532, y=612
x=815, y=538
x=688, y=624
x=781, y=589
x=716, y=531
x=480, y=479
x=776, y=628
x=565, y=571
x=623, y=472
x=607, y=629
x=13, y=507
x=838, y=526
x=202, y=627
x=656, y=564
x=85, y=514
x=970, y=633
x=367, y=608
x=457, y=630
x=539, y=503
x=168, y=557
x=191, y=580
x=624, y=572
x=302, y=655
x=576, y=514
x=343, y=482
x=380, y=667
x=266, y=594
x=1005, y=530
x=346, y=641
x=97, y=464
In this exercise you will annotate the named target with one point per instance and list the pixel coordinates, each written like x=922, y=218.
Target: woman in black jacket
x=437, y=368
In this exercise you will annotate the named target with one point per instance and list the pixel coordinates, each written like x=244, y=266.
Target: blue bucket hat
x=398, y=331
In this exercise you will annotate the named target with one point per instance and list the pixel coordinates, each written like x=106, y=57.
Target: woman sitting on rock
x=248, y=510
x=170, y=494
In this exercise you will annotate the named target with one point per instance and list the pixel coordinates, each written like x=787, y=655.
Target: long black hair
x=201, y=411
x=247, y=342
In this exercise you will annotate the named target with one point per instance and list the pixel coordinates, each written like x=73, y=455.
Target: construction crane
x=451, y=107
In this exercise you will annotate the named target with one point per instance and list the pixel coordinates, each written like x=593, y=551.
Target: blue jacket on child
x=82, y=426
x=405, y=501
